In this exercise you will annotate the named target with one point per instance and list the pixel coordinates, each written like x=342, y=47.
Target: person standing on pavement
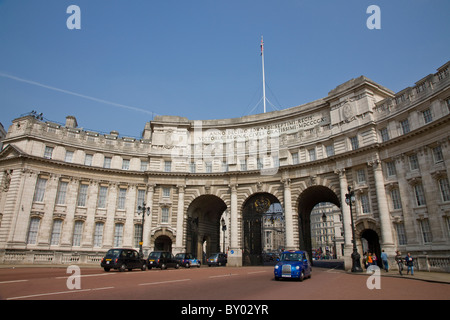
x=399, y=260
x=409, y=263
x=384, y=258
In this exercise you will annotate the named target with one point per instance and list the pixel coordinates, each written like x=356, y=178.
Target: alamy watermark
x=374, y=281
x=73, y=281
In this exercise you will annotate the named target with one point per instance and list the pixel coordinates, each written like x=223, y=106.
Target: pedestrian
x=399, y=260
x=365, y=259
x=384, y=258
x=374, y=259
x=369, y=259
x=409, y=263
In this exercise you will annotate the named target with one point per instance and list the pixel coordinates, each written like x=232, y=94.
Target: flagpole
x=263, y=74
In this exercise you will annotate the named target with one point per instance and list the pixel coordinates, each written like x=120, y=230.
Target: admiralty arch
x=67, y=195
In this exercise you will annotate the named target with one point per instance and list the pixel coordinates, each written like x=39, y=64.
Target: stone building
x=67, y=194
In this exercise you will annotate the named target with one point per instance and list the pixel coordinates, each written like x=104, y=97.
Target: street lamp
x=224, y=228
x=142, y=209
x=356, y=258
x=324, y=220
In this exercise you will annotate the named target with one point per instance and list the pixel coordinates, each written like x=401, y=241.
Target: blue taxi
x=293, y=264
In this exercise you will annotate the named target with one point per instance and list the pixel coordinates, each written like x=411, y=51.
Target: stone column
x=288, y=215
x=148, y=221
x=235, y=252
x=383, y=209
x=180, y=220
x=345, y=208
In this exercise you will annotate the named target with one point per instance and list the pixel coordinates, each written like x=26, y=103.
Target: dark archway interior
x=203, y=223
x=163, y=243
x=371, y=244
x=307, y=200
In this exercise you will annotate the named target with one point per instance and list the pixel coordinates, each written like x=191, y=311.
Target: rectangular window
x=390, y=168
x=413, y=162
x=88, y=159
x=125, y=164
x=167, y=166
x=69, y=156
x=384, y=134
x=396, y=201
x=164, y=215
x=330, y=150
x=140, y=197
x=427, y=117
x=102, y=197
x=98, y=234
x=437, y=154
x=243, y=165
x=354, y=142
x=365, y=206
x=426, y=231
x=118, y=234
x=48, y=152
x=33, y=230
x=77, y=233
x=122, y=198
x=40, y=190
x=82, y=195
x=137, y=234
x=420, y=195
x=107, y=162
x=312, y=154
x=62, y=190
x=405, y=126
x=401, y=234
x=56, y=232
x=445, y=189
x=166, y=192
x=144, y=165
x=361, y=176
x=192, y=167
x=208, y=167
x=294, y=159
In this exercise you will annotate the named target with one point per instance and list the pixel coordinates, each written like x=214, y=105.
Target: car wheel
x=188, y=265
x=107, y=269
x=177, y=266
x=163, y=266
x=302, y=276
x=144, y=267
x=198, y=266
x=122, y=267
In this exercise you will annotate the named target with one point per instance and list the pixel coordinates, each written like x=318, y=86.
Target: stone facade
x=67, y=194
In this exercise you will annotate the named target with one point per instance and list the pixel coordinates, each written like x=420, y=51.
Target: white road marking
x=56, y=293
x=162, y=282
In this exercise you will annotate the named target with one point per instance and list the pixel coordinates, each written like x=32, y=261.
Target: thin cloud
x=76, y=94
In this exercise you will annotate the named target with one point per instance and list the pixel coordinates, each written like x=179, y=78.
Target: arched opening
x=263, y=226
x=308, y=199
x=203, y=226
x=163, y=243
x=371, y=244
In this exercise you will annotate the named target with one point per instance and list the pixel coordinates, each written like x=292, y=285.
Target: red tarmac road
x=215, y=283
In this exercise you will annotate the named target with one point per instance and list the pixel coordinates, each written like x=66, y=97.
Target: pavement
x=440, y=277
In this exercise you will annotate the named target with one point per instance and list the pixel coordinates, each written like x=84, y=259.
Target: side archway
x=203, y=225
x=307, y=200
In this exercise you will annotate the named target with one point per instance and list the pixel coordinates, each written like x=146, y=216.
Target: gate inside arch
x=263, y=227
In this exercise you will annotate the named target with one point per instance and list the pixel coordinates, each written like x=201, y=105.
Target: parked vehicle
x=162, y=259
x=187, y=260
x=123, y=259
x=293, y=264
x=217, y=259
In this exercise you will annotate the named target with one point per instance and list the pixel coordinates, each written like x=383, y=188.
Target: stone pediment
x=11, y=151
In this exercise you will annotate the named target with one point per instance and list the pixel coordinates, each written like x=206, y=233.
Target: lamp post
x=356, y=258
x=142, y=209
x=224, y=228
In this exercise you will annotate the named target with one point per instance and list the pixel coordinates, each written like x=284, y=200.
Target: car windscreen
x=291, y=256
x=113, y=253
x=154, y=255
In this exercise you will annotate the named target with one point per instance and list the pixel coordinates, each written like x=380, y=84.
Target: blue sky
x=200, y=59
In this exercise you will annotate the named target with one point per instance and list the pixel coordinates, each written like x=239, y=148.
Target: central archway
x=263, y=225
x=308, y=199
x=203, y=226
